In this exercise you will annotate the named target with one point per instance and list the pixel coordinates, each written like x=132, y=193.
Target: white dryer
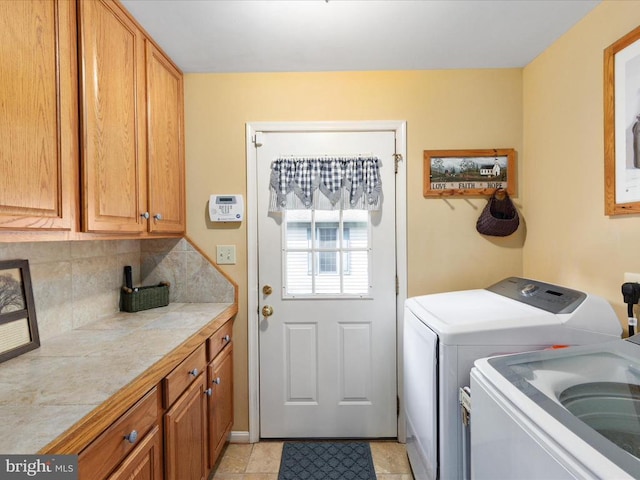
x=445, y=333
x=565, y=414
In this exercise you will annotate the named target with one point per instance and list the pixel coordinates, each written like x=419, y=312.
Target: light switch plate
x=226, y=254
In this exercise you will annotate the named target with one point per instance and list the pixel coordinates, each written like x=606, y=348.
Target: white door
x=327, y=353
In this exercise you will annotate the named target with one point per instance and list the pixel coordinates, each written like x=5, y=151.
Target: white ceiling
x=342, y=35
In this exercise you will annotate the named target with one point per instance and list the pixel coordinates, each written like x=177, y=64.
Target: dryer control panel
x=548, y=297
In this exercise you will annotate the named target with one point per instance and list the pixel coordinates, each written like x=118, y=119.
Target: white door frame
x=400, y=127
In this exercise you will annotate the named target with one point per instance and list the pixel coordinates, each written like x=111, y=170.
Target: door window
x=326, y=253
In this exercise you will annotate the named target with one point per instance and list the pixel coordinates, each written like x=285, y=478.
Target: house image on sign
x=490, y=172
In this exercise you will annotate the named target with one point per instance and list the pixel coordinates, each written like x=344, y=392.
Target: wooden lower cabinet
x=220, y=373
x=144, y=462
x=185, y=429
x=114, y=448
x=178, y=428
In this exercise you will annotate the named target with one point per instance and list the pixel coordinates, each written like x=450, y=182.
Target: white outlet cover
x=631, y=277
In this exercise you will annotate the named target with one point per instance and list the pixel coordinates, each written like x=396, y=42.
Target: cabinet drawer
x=114, y=444
x=181, y=377
x=144, y=462
x=220, y=339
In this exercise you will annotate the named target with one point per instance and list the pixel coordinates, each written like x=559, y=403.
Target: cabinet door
x=221, y=402
x=113, y=122
x=186, y=434
x=38, y=114
x=144, y=462
x=165, y=144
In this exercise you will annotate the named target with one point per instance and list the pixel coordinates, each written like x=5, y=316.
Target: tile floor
x=261, y=461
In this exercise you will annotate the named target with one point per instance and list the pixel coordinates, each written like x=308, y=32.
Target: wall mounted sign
x=18, y=324
x=469, y=172
x=622, y=125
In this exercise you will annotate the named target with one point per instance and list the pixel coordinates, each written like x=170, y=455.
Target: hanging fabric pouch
x=499, y=217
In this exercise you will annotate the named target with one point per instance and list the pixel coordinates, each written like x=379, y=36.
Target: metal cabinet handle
x=194, y=372
x=208, y=392
x=145, y=215
x=216, y=381
x=132, y=437
x=158, y=216
x=226, y=338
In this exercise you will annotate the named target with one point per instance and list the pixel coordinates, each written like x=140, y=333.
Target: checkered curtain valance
x=325, y=183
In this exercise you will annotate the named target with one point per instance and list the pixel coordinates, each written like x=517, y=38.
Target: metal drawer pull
x=158, y=216
x=132, y=437
x=216, y=381
x=194, y=372
x=145, y=215
x=226, y=338
x=208, y=392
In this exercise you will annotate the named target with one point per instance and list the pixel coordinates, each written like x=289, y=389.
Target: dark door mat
x=326, y=461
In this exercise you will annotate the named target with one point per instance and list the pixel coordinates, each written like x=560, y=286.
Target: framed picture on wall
x=18, y=324
x=469, y=172
x=622, y=125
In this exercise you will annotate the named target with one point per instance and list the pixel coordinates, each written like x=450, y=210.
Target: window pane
x=327, y=235
x=328, y=262
x=298, y=275
x=356, y=281
x=298, y=226
x=328, y=282
x=356, y=223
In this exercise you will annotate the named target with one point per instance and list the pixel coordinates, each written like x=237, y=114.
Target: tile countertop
x=46, y=391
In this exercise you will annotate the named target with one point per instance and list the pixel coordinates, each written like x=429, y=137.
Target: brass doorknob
x=267, y=290
x=267, y=311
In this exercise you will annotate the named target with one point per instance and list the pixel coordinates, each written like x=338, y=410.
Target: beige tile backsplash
x=75, y=283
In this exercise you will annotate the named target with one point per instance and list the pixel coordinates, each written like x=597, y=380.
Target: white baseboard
x=239, y=437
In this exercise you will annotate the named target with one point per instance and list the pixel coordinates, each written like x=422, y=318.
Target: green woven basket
x=144, y=298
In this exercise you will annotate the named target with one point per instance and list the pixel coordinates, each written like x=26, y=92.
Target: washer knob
x=529, y=289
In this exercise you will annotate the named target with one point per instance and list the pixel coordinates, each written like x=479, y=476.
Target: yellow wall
x=570, y=241
x=465, y=109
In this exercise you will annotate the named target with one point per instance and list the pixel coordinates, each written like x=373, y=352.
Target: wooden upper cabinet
x=112, y=95
x=38, y=115
x=165, y=143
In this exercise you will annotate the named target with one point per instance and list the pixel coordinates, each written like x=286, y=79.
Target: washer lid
x=517, y=311
x=566, y=385
x=473, y=310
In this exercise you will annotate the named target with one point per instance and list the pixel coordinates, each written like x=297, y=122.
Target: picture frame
x=622, y=125
x=469, y=172
x=18, y=323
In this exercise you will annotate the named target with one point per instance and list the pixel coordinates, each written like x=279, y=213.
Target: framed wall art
x=469, y=172
x=18, y=324
x=622, y=125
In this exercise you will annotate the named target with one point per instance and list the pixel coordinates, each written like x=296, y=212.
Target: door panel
x=328, y=351
x=112, y=106
x=165, y=144
x=38, y=114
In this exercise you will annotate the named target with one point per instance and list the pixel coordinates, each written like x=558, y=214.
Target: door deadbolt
x=267, y=311
x=267, y=290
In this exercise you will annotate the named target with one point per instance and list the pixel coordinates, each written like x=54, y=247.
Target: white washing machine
x=445, y=333
x=563, y=414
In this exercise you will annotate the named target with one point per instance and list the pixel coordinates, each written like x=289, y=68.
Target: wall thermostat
x=226, y=208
